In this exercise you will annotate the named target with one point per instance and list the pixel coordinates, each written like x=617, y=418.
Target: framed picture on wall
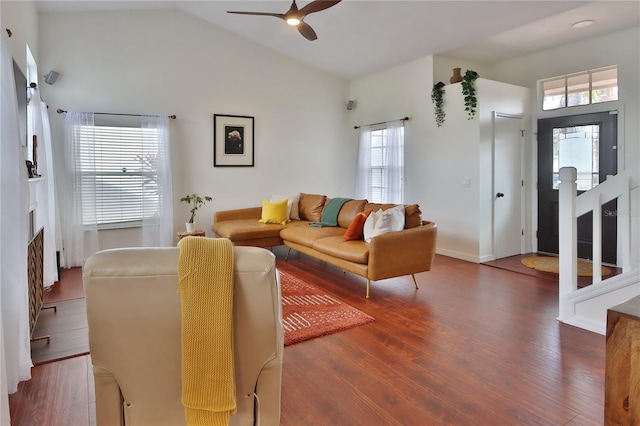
x=233, y=141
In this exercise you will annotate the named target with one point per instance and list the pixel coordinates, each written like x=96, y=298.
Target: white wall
x=435, y=167
x=443, y=68
x=403, y=91
x=451, y=159
x=438, y=160
x=169, y=62
x=622, y=49
x=21, y=17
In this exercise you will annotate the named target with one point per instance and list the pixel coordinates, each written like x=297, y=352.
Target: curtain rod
x=382, y=122
x=60, y=111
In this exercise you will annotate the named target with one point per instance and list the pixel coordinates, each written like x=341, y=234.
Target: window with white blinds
x=380, y=165
x=119, y=178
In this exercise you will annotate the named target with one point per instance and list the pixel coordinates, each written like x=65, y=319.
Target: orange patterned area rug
x=308, y=312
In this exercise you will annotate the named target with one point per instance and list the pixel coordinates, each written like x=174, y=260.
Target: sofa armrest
x=247, y=213
x=109, y=411
x=404, y=252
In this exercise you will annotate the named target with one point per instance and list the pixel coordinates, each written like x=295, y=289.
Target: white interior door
x=508, y=185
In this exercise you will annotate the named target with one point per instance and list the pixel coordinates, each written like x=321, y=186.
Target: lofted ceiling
x=361, y=37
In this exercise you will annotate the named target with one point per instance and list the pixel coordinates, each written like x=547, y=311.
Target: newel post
x=568, y=236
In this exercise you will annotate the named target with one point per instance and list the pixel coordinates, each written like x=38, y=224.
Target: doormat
x=551, y=264
x=308, y=312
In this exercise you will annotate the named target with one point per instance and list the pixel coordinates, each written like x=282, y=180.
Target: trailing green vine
x=437, y=97
x=469, y=92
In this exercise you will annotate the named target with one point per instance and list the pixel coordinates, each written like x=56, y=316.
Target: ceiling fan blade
x=317, y=6
x=276, y=15
x=307, y=31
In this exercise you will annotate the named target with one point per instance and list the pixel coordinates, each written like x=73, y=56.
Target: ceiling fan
x=294, y=17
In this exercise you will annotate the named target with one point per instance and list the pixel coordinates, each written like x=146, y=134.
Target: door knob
x=499, y=195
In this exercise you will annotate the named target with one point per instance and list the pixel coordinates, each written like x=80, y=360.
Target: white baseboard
x=598, y=328
x=458, y=255
x=594, y=301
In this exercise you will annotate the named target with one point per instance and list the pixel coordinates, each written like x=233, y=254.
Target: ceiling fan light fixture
x=293, y=21
x=294, y=16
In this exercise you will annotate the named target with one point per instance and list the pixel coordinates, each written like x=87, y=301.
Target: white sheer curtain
x=45, y=213
x=395, y=162
x=363, y=173
x=15, y=351
x=157, y=225
x=54, y=212
x=389, y=159
x=79, y=232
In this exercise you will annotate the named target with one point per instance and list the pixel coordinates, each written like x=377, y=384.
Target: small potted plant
x=196, y=201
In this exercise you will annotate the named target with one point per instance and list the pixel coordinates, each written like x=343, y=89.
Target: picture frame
x=233, y=140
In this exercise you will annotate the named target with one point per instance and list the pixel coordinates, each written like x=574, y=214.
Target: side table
x=181, y=235
x=622, y=372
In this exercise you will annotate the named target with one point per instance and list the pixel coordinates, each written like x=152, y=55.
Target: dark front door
x=588, y=143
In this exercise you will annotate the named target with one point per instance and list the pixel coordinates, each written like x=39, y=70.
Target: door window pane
x=577, y=146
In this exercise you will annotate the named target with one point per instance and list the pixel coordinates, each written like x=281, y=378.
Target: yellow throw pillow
x=274, y=212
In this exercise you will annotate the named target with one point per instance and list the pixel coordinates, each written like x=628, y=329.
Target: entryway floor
x=514, y=264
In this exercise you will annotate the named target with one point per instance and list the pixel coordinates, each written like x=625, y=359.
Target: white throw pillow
x=390, y=220
x=292, y=205
x=397, y=218
x=369, y=226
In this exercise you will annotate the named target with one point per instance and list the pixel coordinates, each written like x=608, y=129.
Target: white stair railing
x=572, y=207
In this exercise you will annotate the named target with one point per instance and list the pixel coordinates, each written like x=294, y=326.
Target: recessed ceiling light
x=582, y=24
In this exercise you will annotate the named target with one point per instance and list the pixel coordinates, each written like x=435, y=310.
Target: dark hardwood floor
x=68, y=288
x=66, y=325
x=476, y=345
x=513, y=263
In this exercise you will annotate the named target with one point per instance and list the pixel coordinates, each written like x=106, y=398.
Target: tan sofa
x=394, y=254
x=133, y=311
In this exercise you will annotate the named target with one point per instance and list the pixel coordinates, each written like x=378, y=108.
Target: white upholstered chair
x=133, y=311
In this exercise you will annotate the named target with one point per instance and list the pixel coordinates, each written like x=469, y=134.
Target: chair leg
x=368, y=287
x=415, y=281
x=287, y=256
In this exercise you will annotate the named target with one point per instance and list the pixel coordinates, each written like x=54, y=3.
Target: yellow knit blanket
x=205, y=270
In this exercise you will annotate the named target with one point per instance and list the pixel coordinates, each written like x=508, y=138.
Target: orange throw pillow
x=355, y=229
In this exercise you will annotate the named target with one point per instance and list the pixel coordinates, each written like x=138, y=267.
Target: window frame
x=378, y=132
x=90, y=174
x=564, y=80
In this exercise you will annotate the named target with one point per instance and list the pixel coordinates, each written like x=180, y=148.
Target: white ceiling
x=360, y=37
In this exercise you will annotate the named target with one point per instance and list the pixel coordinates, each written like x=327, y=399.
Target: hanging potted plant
x=469, y=92
x=196, y=202
x=437, y=97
